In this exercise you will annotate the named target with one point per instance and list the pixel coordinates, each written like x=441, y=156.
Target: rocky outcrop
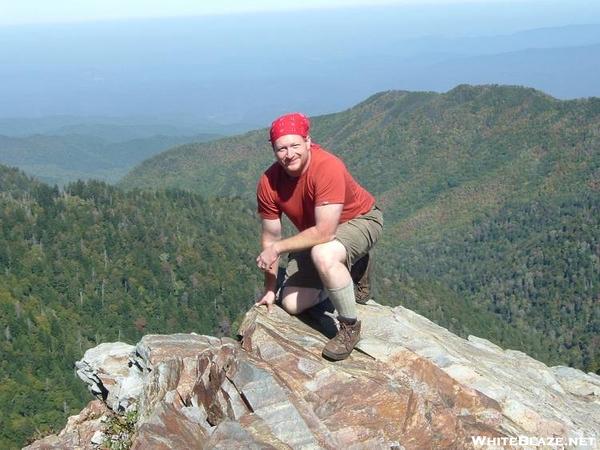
x=82, y=431
x=410, y=385
x=109, y=376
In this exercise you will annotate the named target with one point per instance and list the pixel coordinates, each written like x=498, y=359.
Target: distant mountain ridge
x=455, y=174
x=116, y=128
x=59, y=159
x=392, y=136
x=553, y=69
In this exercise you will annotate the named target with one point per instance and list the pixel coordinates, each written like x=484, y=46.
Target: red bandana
x=294, y=123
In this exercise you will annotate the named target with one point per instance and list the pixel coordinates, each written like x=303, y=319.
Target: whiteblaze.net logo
x=506, y=442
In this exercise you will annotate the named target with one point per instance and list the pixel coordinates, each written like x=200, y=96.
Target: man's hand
x=268, y=299
x=267, y=258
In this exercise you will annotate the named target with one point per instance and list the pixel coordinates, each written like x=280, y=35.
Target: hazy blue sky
x=17, y=12
x=177, y=59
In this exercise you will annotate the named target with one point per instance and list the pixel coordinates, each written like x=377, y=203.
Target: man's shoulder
x=324, y=159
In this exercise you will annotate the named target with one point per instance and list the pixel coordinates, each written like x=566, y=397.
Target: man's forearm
x=270, y=282
x=326, y=218
x=271, y=278
x=304, y=240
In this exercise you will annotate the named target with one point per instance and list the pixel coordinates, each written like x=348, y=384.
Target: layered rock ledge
x=410, y=385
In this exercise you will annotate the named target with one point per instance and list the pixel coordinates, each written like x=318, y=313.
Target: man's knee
x=290, y=305
x=324, y=256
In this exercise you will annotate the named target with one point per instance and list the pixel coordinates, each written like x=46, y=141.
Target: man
x=337, y=222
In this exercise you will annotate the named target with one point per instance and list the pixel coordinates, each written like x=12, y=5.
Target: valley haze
x=240, y=69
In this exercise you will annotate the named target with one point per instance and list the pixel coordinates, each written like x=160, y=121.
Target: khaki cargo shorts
x=358, y=236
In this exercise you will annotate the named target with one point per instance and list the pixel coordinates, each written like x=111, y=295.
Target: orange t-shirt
x=325, y=181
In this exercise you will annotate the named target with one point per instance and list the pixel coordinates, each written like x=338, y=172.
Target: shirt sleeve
x=330, y=183
x=267, y=206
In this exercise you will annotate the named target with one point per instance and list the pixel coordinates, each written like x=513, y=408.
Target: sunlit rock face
x=410, y=384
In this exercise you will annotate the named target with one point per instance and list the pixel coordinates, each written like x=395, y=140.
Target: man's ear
x=307, y=140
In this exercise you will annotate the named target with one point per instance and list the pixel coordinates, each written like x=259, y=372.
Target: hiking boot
x=361, y=276
x=344, y=341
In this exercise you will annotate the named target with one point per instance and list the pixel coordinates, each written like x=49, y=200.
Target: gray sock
x=343, y=300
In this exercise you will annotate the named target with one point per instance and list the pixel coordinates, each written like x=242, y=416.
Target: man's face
x=292, y=151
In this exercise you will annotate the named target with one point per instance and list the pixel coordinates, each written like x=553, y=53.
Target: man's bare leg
x=330, y=261
x=297, y=299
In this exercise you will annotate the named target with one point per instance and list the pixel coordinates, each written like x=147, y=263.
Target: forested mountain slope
x=96, y=264
x=491, y=197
